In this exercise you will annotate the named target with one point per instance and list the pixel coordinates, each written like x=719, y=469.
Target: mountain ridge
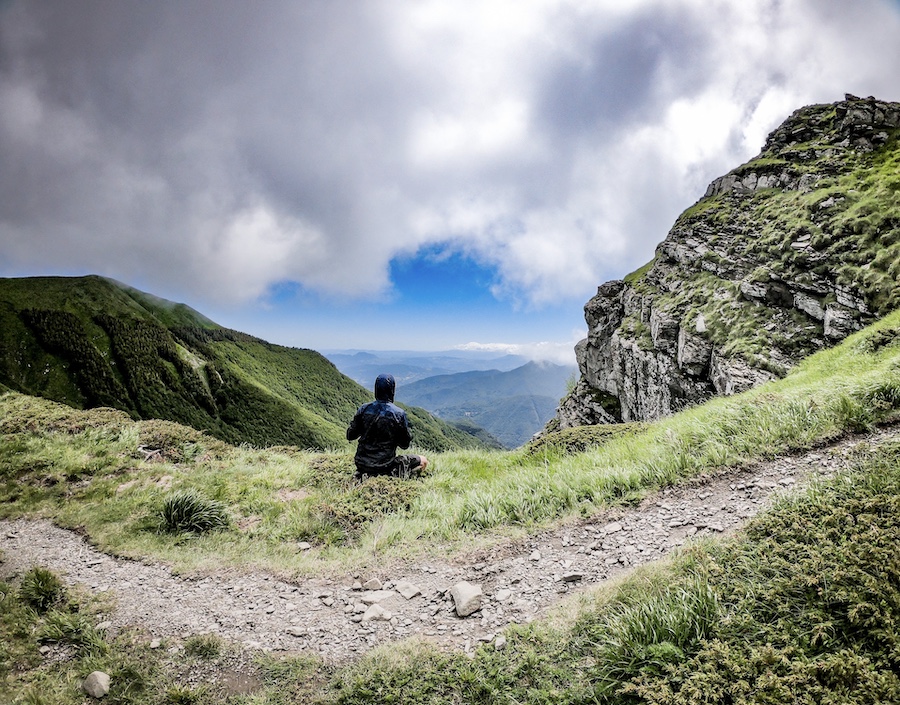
x=783, y=255
x=511, y=405
x=91, y=341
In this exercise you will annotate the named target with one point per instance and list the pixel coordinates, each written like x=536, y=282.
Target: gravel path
x=335, y=617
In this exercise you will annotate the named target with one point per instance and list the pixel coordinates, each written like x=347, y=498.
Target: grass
x=40, y=589
x=800, y=607
x=188, y=511
x=85, y=469
x=680, y=633
x=73, y=647
x=803, y=604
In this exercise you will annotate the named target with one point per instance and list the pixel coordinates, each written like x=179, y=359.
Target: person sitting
x=381, y=427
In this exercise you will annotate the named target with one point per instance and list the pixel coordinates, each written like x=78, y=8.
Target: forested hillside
x=92, y=342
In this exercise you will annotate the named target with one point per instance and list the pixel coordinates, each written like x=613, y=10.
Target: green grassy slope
x=800, y=607
x=91, y=342
x=69, y=464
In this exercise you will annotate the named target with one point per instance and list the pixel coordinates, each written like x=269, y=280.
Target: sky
x=396, y=174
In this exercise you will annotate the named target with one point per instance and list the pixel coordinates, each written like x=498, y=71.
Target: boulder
x=466, y=598
x=96, y=685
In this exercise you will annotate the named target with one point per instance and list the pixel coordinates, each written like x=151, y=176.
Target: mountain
x=91, y=341
x=784, y=255
x=512, y=406
x=409, y=366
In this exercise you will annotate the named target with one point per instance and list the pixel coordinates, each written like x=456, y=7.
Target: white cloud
x=556, y=353
x=555, y=140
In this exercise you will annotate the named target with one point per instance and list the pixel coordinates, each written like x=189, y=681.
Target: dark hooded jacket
x=381, y=428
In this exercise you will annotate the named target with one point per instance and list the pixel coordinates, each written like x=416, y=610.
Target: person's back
x=381, y=427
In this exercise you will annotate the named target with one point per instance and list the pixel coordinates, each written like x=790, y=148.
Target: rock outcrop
x=784, y=255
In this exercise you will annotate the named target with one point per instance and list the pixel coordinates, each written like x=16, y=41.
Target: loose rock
x=370, y=598
x=466, y=598
x=96, y=684
x=408, y=589
x=377, y=612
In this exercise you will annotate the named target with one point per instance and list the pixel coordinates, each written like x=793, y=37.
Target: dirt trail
x=519, y=580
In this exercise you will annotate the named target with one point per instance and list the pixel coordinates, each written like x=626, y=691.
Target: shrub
x=188, y=511
x=72, y=628
x=41, y=589
x=205, y=646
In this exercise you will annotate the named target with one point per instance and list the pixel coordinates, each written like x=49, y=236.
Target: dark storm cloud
x=217, y=148
x=147, y=130
x=615, y=75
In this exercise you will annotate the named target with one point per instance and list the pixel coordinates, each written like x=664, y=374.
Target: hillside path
x=332, y=617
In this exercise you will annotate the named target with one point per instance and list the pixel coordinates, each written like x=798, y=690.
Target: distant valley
x=409, y=366
x=506, y=395
x=91, y=341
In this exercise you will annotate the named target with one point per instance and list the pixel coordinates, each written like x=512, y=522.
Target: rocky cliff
x=784, y=255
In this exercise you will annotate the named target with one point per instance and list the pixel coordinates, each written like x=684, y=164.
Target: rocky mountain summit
x=784, y=255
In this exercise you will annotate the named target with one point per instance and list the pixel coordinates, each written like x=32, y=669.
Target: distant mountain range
x=91, y=341
x=511, y=405
x=410, y=366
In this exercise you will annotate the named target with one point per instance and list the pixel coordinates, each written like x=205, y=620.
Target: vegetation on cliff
x=784, y=255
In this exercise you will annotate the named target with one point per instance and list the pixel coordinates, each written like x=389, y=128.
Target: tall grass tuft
x=41, y=589
x=657, y=630
x=188, y=511
x=72, y=628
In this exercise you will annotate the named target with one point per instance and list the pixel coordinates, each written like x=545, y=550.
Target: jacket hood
x=384, y=388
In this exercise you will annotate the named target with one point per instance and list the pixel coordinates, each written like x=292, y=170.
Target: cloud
x=216, y=149
x=544, y=351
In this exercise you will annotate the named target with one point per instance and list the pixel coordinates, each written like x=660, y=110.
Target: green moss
x=639, y=273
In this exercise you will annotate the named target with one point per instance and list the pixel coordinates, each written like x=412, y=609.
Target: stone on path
x=535, y=556
x=96, y=684
x=408, y=589
x=375, y=596
x=372, y=584
x=377, y=613
x=572, y=577
x=466, y=597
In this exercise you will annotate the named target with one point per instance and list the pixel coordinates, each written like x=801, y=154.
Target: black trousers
x=402, y=466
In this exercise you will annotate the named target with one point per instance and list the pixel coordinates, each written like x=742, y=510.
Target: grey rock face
x=651, y=345
x=839, y=322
